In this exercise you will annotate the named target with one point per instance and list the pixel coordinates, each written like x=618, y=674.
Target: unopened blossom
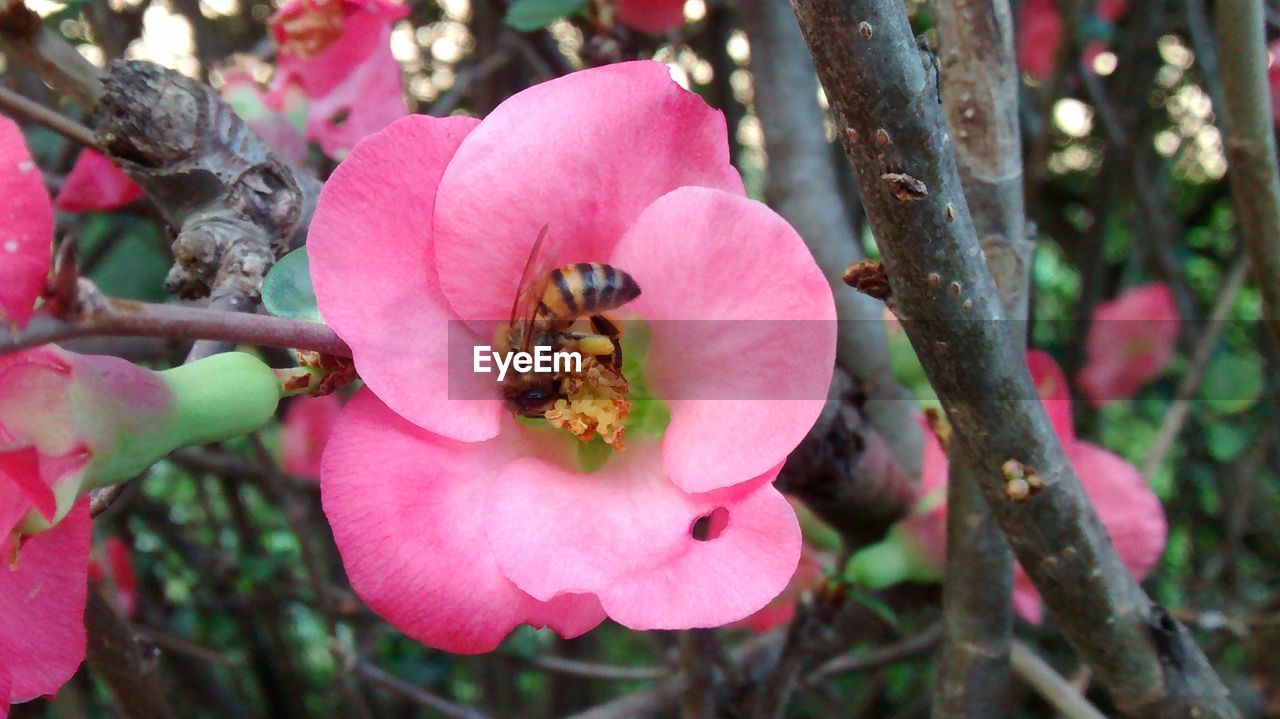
x=42, y=595
x=26, y=228
x=1129, y=343
x=339, y=53
x=1130, y=511
x=652, y=16
x=306, y=428
x=1273, y=77
x=458, y=522
x=111, y=567
x=96, y=184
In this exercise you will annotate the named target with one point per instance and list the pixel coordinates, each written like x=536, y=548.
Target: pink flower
x=808, y=576
x=307, y=425
x=1273, y=77
x=458, y=523
x=114, y=569
x=26, y=228
x=42, y=594
x=339, y=53
x=1130, y=342
x=652, y=16
x=95, y=184
x=1129, y=510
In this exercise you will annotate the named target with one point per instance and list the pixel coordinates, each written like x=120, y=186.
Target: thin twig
x=120, y=318
x=591, y=670
x=1251, y=145
x=12, y=102
x=1178, y=411
x=1050, y=685
x=909, y=648
x=394, y=684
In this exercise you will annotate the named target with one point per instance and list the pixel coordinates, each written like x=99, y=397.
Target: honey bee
x=547, y=305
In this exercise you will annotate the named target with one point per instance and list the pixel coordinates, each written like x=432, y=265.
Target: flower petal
x=1051, y=383
x=305, y=430
x=403, y=504
x=743, y=332
x=26, y=228
x=583, y=154
x=370, y=245
x=47, y=590
x=651, y=16
x=1130, y=341
x=628, y=535
x=95, y=184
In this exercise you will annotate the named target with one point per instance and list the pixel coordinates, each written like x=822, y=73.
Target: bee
x=548, y=303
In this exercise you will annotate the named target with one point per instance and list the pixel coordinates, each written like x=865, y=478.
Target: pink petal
x=122, y=576
x=782, y=609
x=370, y=245
x=1130, y=511
x=306, y=428
x=1051, y=383
x=651, y=16
x=5, y=686
x=26, y=228
x=1039, y=35
x=42, y=600
x=96, y=184
x=742, y=349
x=927, y=527
x=404, y=505
x=1130, y=342
x=1112, y=10
x=584, y=155
x=20, y=471
x=626, y=534
x=340, y=53
x=1273, y=77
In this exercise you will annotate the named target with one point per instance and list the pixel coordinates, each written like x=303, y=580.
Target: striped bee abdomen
x=586, y=288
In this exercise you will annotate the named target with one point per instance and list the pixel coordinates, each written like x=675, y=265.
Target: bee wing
x=533, y=282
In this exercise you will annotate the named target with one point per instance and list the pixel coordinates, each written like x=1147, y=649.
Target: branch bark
x=115, y=653
x=1251, y=146
x=28, y=41
x=802, y=186
x=979, y=88
x=889, y=116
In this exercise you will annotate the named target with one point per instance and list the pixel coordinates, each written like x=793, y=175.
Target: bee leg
x=606, y=327
x=594, y=345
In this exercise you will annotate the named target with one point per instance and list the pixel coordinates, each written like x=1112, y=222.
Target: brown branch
x=802, y=186
x=143, y=319
x=888, y=115
x=979, y=84
x=26, y=40
x=395, y=685
x=12, y=102
x=115, y=653
x=1251, y=146
x=914, y=646
x=590, y=670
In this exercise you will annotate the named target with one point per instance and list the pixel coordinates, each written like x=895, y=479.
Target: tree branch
x=1050, y=685
x=142, y=319
x=12, y=102
x=114, y=652
x=802, y=186
x=979, y=84
x=28, y=41
x=888, y=114
x=1251, y=146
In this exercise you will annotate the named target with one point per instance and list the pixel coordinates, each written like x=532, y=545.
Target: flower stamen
x=594, y=403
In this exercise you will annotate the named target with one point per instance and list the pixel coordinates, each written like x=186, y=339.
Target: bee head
x=531, y=395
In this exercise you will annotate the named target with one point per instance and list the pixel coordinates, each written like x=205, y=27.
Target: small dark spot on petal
x=710, y=525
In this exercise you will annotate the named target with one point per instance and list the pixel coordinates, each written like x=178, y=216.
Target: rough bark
x=234, y=205
x=1251, y=146
x=802, y=186
x=887, y=108
x=979, y=88
x=121, y=660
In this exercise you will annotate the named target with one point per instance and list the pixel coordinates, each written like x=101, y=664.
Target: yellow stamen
x=595, y=403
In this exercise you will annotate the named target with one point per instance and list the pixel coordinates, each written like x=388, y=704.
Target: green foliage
x=287, y=289
x=1232, y=383
x=530, y=15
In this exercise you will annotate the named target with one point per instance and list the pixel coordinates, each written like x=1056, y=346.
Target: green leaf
x=530, y=15
x=1226, y=441
x=1232, y=383
x=287, y=290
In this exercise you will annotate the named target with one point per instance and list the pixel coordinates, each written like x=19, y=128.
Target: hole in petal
x=710, y=525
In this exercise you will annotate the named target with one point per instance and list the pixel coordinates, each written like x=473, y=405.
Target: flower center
x=311, y=30
x=594, y=403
